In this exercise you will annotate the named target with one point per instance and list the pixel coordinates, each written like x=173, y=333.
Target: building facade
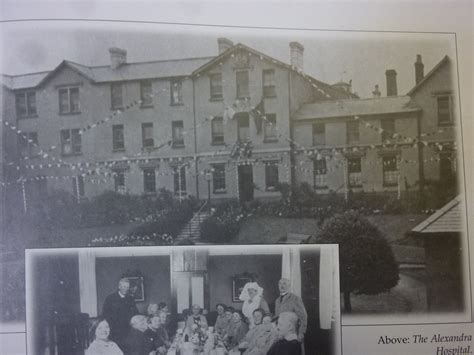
x=229, y=126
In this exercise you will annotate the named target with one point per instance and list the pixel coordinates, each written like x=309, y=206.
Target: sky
x=329, y=56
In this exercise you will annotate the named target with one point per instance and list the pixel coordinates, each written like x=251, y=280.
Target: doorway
x=245, y=183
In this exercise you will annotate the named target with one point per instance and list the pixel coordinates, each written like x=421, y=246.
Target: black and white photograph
x=122, y=134
x=80, y=301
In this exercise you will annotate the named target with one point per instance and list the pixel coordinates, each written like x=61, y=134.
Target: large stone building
x=231, y=126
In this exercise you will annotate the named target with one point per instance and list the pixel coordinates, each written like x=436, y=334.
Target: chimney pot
x=419, y=69
x=391, y=76
x=118, y=57
x=376, y=92
x=224, y=44
x=296, y=55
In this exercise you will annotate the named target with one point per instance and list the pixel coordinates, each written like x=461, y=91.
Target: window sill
x=219, y=192
x=271, y=189
x=321, y=187
x=117, y=108
x=179, y=194
x=392, y=184
x=177, y=145
x=242, y=97
x=270, y=140
x=71, y=154
x=269, y=96
x=70, y=113
x=149, y=193
x=148, y=147
x=217, y=143
x=146, y=106
x=214, y=99
x=26, y=117
x=445, y=124
x=118, y=150
x=177, y=104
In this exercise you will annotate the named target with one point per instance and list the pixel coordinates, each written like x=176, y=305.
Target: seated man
x=136, y=342
x=288, y=344
x=153, y=335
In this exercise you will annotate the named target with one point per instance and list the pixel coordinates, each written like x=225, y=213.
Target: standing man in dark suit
x=119, y=308
x=289, y=302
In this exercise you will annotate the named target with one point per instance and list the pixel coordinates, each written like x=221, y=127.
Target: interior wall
x=223, y=268
x=156, y=274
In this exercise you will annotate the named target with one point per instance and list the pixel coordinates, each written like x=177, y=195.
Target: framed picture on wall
x=137, y=288
x=238, y=283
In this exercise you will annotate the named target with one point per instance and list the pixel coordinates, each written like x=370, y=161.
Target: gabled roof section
x=328, y=90
x=351, y=107
x=79, y=69
x=443, y=61
x=447, y=219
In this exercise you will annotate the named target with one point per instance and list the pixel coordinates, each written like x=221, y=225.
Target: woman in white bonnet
x=252, y=295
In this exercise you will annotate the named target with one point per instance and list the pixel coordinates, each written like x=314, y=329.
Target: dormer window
x=25, y=104
x=69, y=100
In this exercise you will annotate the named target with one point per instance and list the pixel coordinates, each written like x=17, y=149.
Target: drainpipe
x=196, y=167
x=421, y=165
x=292, y=146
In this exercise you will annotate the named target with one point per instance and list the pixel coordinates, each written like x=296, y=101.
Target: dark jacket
x=137, y=343
x=118, y=311
x=285, y=347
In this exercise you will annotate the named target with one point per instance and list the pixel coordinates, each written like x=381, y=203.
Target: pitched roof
x=324, y=88
x=350, y=107
x=448, y=219
x=98, y=74
x=429, y=75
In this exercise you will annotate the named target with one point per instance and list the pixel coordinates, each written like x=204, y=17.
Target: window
x=390, y=171
x=119, y=182
x=242, y=79
x=217, y=130
x=218, y=178
x=28, y=144
x=388, y=127
x=352, y=132
x=78, y=186
x=446, y=166
x=354, y=172
x=319, y=134
x=444, y=110
x=116, y=98
x=118, y=140
x=25, y=104
x=216, y=86
x=177, y=134
x=243, y=127
x=271, y=175
x=176, y=92
x=71, y=142
x=268, y=78
x=146, y=93
x=69, y=100
x=149, y=182
x=319, y=173
x=269, y=128
x=179, y=179
x=147, y=135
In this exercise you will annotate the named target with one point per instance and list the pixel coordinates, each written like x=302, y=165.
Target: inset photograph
x=252, y=300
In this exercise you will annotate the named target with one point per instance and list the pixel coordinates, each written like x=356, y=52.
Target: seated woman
x=222, y=320
x=252, y=295
x=152, y=309
x=152, y=334
x=237, y=329
x=101, y=344
x=261, y=337
x=195, y=321
x=162, y=331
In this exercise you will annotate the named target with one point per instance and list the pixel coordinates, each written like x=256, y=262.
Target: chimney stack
x=118, y=57
x=419, y=69
x=376, y=92
x=391, y=76
x=296, y=55
x=224, y=44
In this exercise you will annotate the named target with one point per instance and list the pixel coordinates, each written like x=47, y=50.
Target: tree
x=366, y=261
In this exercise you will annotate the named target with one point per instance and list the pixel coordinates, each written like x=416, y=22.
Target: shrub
x=224, y=225
x=367, y=263
x=133, y=240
